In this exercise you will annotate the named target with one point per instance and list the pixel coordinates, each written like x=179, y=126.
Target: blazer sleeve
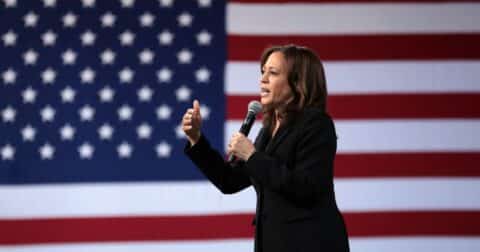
x=226, y=177
x=310, y=174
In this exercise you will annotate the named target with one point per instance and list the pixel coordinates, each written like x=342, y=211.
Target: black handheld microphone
x=253, y=108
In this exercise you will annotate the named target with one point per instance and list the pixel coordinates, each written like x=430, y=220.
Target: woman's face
x=274, y=88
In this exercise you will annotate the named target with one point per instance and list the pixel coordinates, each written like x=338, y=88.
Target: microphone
x=253, y=108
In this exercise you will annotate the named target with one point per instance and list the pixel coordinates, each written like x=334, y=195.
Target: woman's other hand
x=192, y=122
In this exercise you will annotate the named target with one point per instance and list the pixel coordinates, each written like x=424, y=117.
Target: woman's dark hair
x=306, y=78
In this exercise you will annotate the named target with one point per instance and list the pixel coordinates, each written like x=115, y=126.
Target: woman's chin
x=265, y=101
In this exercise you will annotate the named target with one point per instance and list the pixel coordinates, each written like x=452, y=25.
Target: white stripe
x=391, y=244
x=364, y=18
x=200, y=198
x=364, y=136
x=363, y=77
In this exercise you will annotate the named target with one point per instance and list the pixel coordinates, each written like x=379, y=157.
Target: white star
x=69, y=20
x=49, y=3
x=106, y=94
x=107, y=57
x=125, y=113
x=124, y=150
x=86, y=151
x=145, y=94
x=165, y=38
x=69, y=57
x=166, y=3
x=7, y=152
x=48, y=76
x=68, y=95
x=46, y=151
x=108, y=19
x=164, y=112
x=179, y=132
x=202, y=75
x=164, y=75
x=127, y=3
x=30, y=19
x=204, y=38
x=9, y=38
x=9, y=76
x=10, y=3
x=28, y=133
x=8, y=114
x=67, y=132
x=183, y=93
x=88, y=3
x=127, y=38
x=147, y=19
x=204, y=3
x=205, y=112
x=86, y=113
x=105, y=132
x=144, y=131
x=185, y=19
x=29, y=95
x=30, y=57
x=49, y=38
x=146, y=56
x=88, y=38
x=126, y=75
x=47, y=114
x=163, y=149
x=87, y=75
x=184, y=56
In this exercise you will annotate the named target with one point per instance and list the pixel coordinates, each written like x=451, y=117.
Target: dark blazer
x=293, y=178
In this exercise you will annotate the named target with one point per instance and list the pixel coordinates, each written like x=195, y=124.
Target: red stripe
x=385, y=106
x=174, y=228
x=363, y=47
x=407, y=165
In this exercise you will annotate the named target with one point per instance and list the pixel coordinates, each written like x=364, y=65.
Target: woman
x=291, y=163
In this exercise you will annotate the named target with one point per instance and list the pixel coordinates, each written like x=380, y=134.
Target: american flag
x=92, y=92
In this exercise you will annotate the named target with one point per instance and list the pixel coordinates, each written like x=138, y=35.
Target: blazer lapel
x=278, y=138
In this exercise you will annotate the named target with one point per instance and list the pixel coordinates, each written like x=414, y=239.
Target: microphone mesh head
x=254, y=107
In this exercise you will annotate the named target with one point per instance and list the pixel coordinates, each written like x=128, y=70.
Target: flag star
x=144, y=131
x=145, y=94
x=127, y=38
x=164, y=112
x=204, y=38
x=49, y=3
x=124, y=150
x=202, y=75
x=127, y=3
x=165, y=38
x=147, y=19
x=107, y=57
x=108, y=19
x=49, y=38
x=183, y=93
x=69, y=20
x=68, y=95
x=184, y=56
x=9, y=76
x=105, y=132
x=30, y=19
x=88, y=38
x=185, y=19
x=69, y=57
x=30, y=57
x=46, y=151
x=8, y=114
x=106, y=94
x=7, y=152
x=86, y=113
x=47, y=114
x=179, y=132
x=86, y=150
x=10, y=3
x=146, y=56
x=164, y=74
x=67, y=132
x=9, y=38
x=88, y=3
x=204, y=3
x=205, y=112
x=48, y=76
x=126, y=75
x=163, y=149
x=29, y=95
x=28, y=133
x=125, y=113
x=166, y=3
x=87, y=75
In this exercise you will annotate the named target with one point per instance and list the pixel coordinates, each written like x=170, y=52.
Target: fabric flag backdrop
x=92, y=92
